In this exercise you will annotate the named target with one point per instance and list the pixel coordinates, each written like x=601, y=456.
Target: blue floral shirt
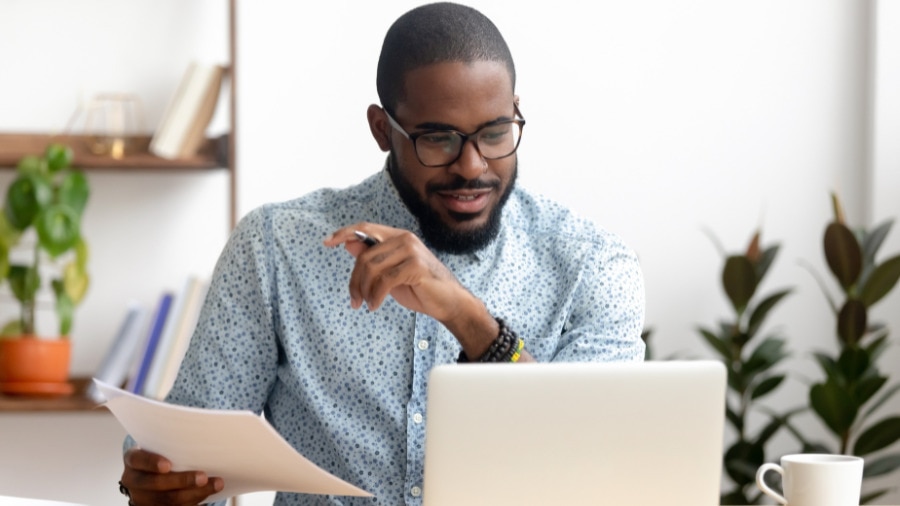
x=347, y=387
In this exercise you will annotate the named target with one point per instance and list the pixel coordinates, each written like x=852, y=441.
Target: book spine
x=152, y=342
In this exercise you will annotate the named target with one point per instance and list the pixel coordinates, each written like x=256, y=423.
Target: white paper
x=238, y=446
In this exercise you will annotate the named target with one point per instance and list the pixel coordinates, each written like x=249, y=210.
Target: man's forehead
x=457, y=89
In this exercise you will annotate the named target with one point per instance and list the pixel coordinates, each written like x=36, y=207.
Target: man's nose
x=470, y=164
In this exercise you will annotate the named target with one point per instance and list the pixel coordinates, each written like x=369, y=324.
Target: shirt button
x=417, y=417
x=415, y=491
x=423, y=345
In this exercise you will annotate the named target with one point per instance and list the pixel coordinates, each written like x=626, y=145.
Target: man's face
x=458, y=206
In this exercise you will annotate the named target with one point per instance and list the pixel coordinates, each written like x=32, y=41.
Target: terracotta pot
x=33, y=360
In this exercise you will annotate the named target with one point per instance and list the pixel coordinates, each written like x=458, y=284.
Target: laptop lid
x=640, y=434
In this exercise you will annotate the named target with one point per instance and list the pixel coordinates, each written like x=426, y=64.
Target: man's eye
x=494, y=134
x=438, y=138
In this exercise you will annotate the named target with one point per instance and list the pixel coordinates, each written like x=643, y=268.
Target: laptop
x=624, y=434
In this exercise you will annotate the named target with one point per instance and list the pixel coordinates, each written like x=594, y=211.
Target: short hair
x=436, y=33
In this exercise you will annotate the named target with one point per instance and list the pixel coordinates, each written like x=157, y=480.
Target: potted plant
x=41, y=251
x=750, y=359
x=854, y=387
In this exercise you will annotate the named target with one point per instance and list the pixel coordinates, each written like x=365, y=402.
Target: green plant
x=41, y=219
x=750, y=368
x=854, y=388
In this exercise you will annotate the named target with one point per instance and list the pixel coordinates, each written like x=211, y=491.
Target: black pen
x=365, y=238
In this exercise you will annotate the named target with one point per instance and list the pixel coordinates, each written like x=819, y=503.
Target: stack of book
x=185, y=120
x=149, y=345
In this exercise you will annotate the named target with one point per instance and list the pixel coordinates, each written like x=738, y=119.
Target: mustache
x=460, y=183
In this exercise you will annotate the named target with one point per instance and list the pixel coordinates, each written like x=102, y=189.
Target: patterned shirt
x=347, y=387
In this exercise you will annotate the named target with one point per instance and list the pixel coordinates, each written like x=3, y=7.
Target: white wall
x=655, y=118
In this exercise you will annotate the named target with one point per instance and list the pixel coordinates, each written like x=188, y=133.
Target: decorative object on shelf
x=750, y=363
x=113, y=122
x=40, y=234
x=853, y=387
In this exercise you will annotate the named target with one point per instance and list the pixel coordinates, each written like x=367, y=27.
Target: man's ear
x=379, y=126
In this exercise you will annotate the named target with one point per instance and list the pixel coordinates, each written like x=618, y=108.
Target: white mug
x=810, y=479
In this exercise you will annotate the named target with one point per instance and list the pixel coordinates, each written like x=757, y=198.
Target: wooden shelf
x=13, y=146
x=78, y=401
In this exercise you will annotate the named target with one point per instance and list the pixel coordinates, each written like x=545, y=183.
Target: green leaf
x=717, y=344
x=761, y=310
x=885, y=396
x=767, y=354
x=873, y=240
x=828, y=364
x=65, y=310
x=58, y=229
x=24, y=199
x=24, y=282
x=769, y=430
x=881, y=466
x=868, y=387
x=851, y=322
x=31, y=164
x=878, y=436
x=881, y=281
x=765, y=261
x=742, y=460
x=739, y=281
x=765, y=386
x=853, y=364
x=833, y=405
x=73, y=191
x=843, y=254
x=872, y=496
x=59, y=156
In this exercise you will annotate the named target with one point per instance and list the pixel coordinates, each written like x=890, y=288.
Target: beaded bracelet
x=507, y=347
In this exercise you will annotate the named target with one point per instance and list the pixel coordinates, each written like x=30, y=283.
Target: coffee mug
x=815, y=480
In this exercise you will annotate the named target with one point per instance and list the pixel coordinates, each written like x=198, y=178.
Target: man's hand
x=150, y=480
x=399, y=265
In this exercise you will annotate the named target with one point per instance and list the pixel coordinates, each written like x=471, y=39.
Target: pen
x=365, y=238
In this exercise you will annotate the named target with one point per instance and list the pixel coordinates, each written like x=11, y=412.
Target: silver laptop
x=636, y=434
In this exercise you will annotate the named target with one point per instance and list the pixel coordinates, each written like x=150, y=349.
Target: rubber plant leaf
x=882, y=465
x=762, y=309
x=854, y=364
x=833, y=405
x=766, y=386
x=851, y=322
x=843, y=254
x=765, y=261
x=873, y=240
x=739, y=281
x=878, y=436
x=881, y=281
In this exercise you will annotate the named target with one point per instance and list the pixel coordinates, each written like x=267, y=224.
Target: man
x=448, y=261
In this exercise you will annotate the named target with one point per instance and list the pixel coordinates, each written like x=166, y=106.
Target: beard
x=440, y=235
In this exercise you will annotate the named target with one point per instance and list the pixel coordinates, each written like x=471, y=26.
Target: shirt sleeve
x=606, y=316
x=231, y=361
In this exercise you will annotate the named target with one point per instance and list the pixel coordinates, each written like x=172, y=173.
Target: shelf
x=78, y=401
x=13, y=146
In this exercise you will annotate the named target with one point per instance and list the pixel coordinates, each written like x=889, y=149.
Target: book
x=151, y=340
x=173, y=340
x=116, y=363
x=183, y=126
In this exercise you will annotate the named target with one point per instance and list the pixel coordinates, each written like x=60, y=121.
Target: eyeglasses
x=439, y=148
